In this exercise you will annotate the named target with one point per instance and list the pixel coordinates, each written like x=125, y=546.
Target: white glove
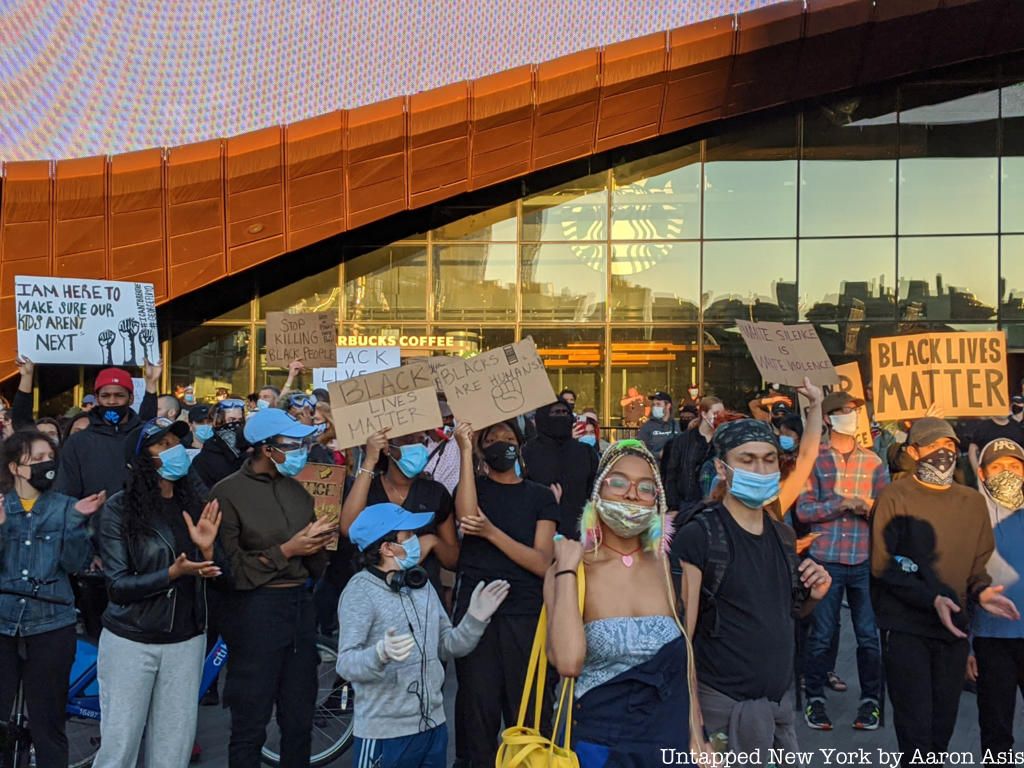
x=394, y=647
x=485, y=600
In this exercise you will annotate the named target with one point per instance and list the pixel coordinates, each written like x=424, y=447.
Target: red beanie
x=114, y=376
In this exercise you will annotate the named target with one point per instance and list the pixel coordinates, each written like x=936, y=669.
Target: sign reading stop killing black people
x=307, y=336
x=788, y=353
x=86, y=322
x=964, y=374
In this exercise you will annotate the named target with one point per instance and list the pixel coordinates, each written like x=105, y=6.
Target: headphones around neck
x=413, y=578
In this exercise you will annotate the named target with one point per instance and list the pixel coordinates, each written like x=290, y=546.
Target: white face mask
x=657, y=412
x=844, y=423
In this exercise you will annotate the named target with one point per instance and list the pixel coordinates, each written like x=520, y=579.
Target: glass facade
x=868, y=214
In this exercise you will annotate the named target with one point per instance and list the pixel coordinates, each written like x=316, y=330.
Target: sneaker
x=867, y=716
x=816, y=717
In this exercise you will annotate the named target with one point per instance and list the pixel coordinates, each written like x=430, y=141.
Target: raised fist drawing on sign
x=508, y=395
x=106, y=340
x=129, y=330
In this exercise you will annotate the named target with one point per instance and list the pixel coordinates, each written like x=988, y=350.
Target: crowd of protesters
x=692, y=577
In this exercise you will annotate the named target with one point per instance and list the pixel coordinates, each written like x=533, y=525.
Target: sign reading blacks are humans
x=787, y=353
x=326, y=484
x=850, y=381
x=307, y=336
x=964, y=374
x=357, y=361
x=496, y=385
x=86, y=322
x=401, y=399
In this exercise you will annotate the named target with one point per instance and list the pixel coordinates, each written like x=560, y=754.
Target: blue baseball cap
x=378, y=520
x=274, y=422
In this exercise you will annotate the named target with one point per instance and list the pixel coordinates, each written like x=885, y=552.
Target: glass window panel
x=316, y=293
x=474, y=340
x=949, y=165
x=750, y=280
x=493, y=224
x=944, y=279
x=574, y=211
x=847, y=279
x=563, y=281
x=658, y=198
x=655, y=282
x=574, y=358
x=729, y=371
x=646, y=359
x=750, y=181
x=1013, y=158
x=475, y=282
x=211, y=358
x=388, y=284
x=1011, y=282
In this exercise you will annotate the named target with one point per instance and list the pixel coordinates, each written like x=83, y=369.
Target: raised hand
x=464, y=436
x=25, y=367
x=812, y=392
x=375, y=446
x=151, y=373
x=203, y=532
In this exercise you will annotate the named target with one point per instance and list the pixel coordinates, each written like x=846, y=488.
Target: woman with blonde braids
x=635, y=685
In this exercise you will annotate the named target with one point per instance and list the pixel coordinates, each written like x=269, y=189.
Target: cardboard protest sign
x=787, y=353
x=850, y=381
x=357, y=361
x=325, y=483
x=964, y=374
x=402, y=399
x=436, y=363
x=86, y=322
x=311, y=337
x=496, y=385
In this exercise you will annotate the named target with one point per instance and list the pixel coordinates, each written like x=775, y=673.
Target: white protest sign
x=86, y=322
x=138, y=392
x=357, y=361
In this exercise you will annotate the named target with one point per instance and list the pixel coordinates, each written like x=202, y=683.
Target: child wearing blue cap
x=394, y=635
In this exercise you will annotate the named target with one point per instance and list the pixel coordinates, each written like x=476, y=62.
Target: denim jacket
x=40, y=549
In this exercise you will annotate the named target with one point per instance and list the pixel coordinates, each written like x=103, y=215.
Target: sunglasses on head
x=226, y=405
x=301, y=401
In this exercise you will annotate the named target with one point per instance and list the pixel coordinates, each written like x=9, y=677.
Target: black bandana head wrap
x=733, y=434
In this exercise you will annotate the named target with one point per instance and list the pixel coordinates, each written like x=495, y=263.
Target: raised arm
x=793, y=485
x=566, y=641
x=21, y=408
x=355, y=499
x=465, y=494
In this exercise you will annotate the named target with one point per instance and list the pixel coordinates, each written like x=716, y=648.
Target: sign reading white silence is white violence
x=86, y=322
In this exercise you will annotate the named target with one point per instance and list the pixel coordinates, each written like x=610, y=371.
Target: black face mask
x=42, y=475
x=114, y=414
x=501, y=457
x=233, y=436
x=557, y=426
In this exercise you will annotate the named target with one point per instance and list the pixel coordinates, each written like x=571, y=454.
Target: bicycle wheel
x=83, y=741
x=332, y=719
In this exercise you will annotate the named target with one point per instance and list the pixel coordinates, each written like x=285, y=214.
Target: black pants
x=1000, y=676
x=272, y=659
x=490, y=687
x=925, y=677
x=43, y=676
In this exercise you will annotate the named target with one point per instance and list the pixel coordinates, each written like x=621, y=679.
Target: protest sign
x=851, y=382
x=138, y=392
x=496, y=385
x=402, y=399
x=787, y=353
x=86, y=322
x=357, y=361
x=311, y=337
x=963, y=374
x=436, y=363
x=325, y=483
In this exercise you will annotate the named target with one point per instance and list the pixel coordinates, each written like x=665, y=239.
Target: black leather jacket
x=142, y=599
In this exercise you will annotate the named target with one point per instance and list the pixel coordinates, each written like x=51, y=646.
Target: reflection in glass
x=574, y=211
x=848, y=279
x=1012, y=190
x=210, y=358
x=488, y=225
x=1011, y=282
x=949, y=165
x=389, y=283
x=658, y=198
x=475, y=282
x=947, y=278
x=473, y=340
x=646, y=360
x=655, y=282
x=563, y=281
x=750, y=181
x=574, y=358
x=317, y=293
x=750, y=280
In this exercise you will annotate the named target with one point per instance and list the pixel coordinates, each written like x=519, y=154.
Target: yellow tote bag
x=523, y=747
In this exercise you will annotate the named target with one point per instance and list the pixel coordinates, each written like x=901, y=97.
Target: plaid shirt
x=845, y=536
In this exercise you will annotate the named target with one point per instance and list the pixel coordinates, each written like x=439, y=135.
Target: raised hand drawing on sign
x=508, y=395
x=146, y=338
x=106, y=339
x=129, y=330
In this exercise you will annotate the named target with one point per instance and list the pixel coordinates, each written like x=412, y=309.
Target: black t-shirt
x=185, y=626
x=986, y=431
x=515, y=509
x=425, y=495
x=752, y=656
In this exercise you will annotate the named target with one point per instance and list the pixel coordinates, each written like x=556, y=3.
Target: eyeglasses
x=619, y=485
x=286, y=447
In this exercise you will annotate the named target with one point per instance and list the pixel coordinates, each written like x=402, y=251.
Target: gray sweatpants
x=148, y=687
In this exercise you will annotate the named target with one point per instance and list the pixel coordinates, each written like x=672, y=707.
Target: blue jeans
x=854, y=580
x=428, y=749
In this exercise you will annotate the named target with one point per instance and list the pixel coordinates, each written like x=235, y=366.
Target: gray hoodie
x=388, y=706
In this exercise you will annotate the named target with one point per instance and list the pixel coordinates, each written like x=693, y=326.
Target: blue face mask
x=293, y=463
x=204, y=432
x=589, y=440
x=787, y=443
x=413, y=460
x=412, y=553
x=752, y=489
x=262, y=405
x=174, y=463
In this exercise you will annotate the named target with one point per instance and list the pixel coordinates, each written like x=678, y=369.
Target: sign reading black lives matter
x=496, y=385
x=86, y=322
x=964, y=374
x=787, y=353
